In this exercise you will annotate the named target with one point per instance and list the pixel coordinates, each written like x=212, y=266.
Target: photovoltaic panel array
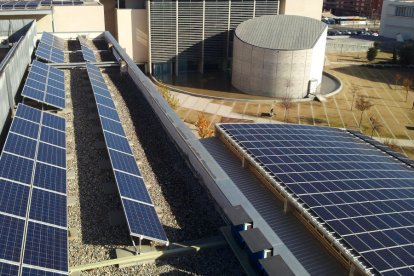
x=33, y=202
x=83, y=40
x=88, y=54
x=53, y=41
x=140, y=213
x=49, y=53
x=61, y=3
x=19, y=5
x=45, y=84
x=355, y=190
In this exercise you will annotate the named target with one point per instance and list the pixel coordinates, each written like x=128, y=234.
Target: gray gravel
x=186, y=211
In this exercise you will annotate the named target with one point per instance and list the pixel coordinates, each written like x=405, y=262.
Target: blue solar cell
x=117, y=142
x=8, y=269
x=56, y=91
x=101, y=91
x=52, y=136
x=28, y=113
x=13, y=198
x=88, y=54
x=108, y=102
x=353, y=186
x=48, y=207
x=55, y=101
x=33, y=94
x=52, y=155
x=53, y=41
x=143, y=220
x=50, y=178
x=124, y=162
x=46, y=246
x=49, y=53
x=108, y=112
x=132, y=187
x=36, y=272
x=25, y=128
x=11, y=236
x=16, y=168
x=54, y=121
x=20, y=145
x=112, y=126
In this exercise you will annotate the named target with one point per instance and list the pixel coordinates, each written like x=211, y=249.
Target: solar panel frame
x=20, y=184
x=88, y=54
x=281, y=154
x=83, y=40
x=45, y=84
x=49, y=53
x=53, y=41
x=130, y=184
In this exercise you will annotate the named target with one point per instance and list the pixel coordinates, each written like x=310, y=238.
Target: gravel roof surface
x=184, y=209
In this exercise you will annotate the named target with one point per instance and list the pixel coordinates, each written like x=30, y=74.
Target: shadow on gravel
x=191, y=207
x=93, y=168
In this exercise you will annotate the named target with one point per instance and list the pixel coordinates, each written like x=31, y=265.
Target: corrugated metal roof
x=281, y=32
x=295, y=238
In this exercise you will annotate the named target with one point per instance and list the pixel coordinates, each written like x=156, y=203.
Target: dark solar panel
x=88, y=54
x=53, y=41
x=45, y=84
x=26, y=177
x=49, y=53
x=8, y=269
x=357, y=190
x=139, y=210
x=46, y=246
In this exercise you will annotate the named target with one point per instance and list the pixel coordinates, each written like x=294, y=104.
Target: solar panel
x=8, y=269
x=19, y=5
x=45, y=84
x=83, y=40
x=88, y=54
x=49, y=53
x=142, y=219
x=53, y=41
x=355, y=190
x=33, y=207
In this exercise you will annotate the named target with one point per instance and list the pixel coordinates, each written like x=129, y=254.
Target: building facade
x=368, y=8
x=397, y=20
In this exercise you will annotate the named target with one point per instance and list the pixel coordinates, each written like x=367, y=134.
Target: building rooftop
x=281, y=32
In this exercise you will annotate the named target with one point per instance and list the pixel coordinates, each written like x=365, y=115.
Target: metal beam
x=175, y=249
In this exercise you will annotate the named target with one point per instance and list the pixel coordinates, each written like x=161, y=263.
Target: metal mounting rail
x=174, y=249
x=83, y=64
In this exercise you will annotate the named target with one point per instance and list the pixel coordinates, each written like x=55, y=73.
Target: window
x=404, y=11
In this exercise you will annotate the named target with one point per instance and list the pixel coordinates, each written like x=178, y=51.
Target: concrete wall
x=79, y=18
x=309, y=8
x=110, y=14
x=391, y=25
x=275, y=73
x=132, y=30
x=318, y=59
x=43, y=21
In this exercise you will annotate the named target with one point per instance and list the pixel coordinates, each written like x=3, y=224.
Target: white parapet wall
x=132, y=30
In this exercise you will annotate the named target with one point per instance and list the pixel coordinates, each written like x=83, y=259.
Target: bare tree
x=406, y=85
x=287, y=104
x=375, y=124
x=397, y=78
x=362, y=103
x=355, y=88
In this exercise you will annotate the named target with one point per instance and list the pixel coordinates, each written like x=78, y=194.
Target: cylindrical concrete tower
x=279, y=56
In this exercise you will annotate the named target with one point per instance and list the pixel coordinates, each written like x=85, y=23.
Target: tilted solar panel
x=33, y=204
x=83, y=40
x=88, y=54
x=138, y=207
x=53, y=41
x=351, y=187
x=49, y=53
x=45, y=84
